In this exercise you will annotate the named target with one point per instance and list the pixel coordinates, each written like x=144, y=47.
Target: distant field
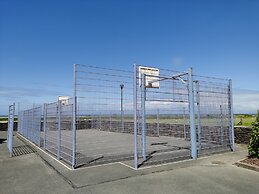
x=240, y=119
x=244, y=119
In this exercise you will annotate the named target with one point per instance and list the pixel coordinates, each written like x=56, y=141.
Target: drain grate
x=22, y=150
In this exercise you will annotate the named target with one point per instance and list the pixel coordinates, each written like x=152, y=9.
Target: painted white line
x=45, y=152
x=99, y=165
x=127, y=165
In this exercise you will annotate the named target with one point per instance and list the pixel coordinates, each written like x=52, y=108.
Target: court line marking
x=45, y=152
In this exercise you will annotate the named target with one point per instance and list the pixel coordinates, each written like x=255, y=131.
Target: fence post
x=135, y=117
x=143, y=109
x=231, y=123
x=221, y=124
x=110, y=121
x=192, y=115
x=32, y=125
x=198, y=112
x=74, y=134
x=59, y=128
x=158, y=123
x=122, y=111
x=44, y=124
x=10, y=128
x=184, y=124
x=39, y=127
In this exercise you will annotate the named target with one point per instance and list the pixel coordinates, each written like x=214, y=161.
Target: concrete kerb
x=95, y=175
x=245, y=165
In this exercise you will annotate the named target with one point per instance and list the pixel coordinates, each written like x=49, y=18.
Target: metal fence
x=29, y=124
x=145, y=116
x=11, y=115
x=58, y=129
x=104, y=130
x=215, y=114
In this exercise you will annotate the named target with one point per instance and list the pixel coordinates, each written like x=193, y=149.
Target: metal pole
x=59, y=128
x=45, y=125
x=32, y=125
x=39, y=126
x=198, y=112
x=221, y=124
x=110, y=121
x=74, y=121
x=135, y=117
x=192, y=115
x=74, y=134
x=143, y=108
x=158, y=123
x=232, y=134
x=184, y=124
x=100, y=121
x=122, y=113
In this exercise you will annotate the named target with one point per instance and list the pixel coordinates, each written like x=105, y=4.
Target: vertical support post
x=198, y=112
x=10, y=128
x=135, y=117
x=44, y=125
x=192, y=115
x=59, y=128
x=74, y=122
x=74, y=133
x=32, y=125
x=221, y=124
x=158, y=123
x=100, y=121
x=143, y=109
x=110, y=121
x=122, y=111
x=184, y=123
x=231, y=122
x=39, y=125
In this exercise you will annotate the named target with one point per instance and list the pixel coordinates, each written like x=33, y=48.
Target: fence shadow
x=2, y=140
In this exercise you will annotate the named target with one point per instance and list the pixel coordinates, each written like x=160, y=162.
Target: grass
x=244, y=119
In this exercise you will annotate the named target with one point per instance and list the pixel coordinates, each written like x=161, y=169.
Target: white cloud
x=245, y=101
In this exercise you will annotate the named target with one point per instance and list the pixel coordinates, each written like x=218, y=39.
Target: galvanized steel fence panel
x=30, y=124
x=58, y=129
x=104, y=114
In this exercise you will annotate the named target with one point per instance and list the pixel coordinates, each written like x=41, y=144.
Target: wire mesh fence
x=213, y=98
x=30, y=124
x=58, y=129
x=104, y=115
x=148, y=115
x=163, y=114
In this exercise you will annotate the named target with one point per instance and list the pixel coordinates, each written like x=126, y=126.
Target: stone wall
x=4, y=126
x=242, y=134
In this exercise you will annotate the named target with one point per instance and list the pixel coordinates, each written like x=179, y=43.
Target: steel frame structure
x=132, y=112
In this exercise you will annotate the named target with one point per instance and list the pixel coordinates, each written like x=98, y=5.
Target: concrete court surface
x=38, y=173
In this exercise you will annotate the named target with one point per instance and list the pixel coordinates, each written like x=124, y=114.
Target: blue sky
x=41, y=40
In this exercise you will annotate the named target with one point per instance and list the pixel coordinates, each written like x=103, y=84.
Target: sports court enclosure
x=142, y=117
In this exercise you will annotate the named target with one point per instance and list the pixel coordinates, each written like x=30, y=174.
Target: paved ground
x=38, y=173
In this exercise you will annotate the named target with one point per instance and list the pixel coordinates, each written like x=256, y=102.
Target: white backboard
x=64, y=99
x=151, y=81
